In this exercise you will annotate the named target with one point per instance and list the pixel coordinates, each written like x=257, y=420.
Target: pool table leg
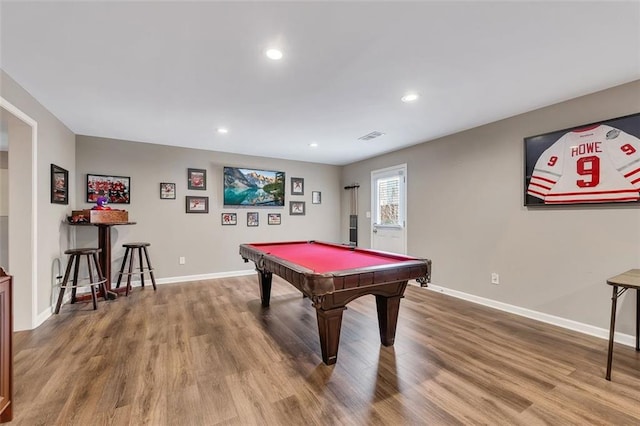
x=329, y=325
x=388, y=308
x=265, y=286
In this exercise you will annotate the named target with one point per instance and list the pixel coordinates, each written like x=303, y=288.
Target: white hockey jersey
x=591, y=165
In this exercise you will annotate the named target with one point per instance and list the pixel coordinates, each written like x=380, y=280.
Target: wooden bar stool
x=621, y=283
x=95, y=278
x=131, y=248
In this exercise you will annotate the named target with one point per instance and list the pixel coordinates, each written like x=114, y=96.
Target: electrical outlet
x=182, y=260
x=495, y=278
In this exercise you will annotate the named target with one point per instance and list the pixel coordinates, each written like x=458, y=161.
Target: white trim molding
x=170, y=280
x=212, y=276
x=34, y=204
x=625, y=339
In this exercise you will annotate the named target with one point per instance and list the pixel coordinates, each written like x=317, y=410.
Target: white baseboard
x=43, y=316
x=625, y=339
x=189, y=278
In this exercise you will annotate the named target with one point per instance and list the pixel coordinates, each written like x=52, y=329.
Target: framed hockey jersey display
x=589, y=164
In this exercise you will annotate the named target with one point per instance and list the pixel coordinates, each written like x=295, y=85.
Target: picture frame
x=197, y=179
x=167, y=191
x=59, y=185
x=297, y=186
x=229, y=219
x=296, y=208
x=316, y=197
x=117, y=189
x=590, y=164
x=274, y=218
x=253, y=219
x=197, y=204
x=238, y=187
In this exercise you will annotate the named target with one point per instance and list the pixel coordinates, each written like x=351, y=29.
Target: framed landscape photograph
x=252, y=187
x=596, y=163
x=197, y=204
x=297, y=186
x=167, y=191
x=274, y=219
x=197, y=179
x=253, y=219
x=296, y=208
x=59, y=185
x=229, y=218
x=316, y=197
x=117, y=189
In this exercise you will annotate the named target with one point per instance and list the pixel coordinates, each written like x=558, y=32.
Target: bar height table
x=621, y=283
x=104, y=242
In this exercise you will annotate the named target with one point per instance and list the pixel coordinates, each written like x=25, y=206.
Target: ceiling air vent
x=369, y=136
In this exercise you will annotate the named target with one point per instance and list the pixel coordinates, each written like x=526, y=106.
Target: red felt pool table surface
x=323, y=258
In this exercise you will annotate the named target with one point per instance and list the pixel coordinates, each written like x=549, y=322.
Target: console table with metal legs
x=621, y=283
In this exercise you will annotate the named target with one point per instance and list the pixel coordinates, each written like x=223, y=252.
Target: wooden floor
x=206, y=353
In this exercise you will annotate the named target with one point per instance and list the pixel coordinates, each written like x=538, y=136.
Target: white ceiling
x=172, y=72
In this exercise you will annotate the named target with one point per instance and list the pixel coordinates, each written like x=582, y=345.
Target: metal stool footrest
x=86, y=283
x=137, y=271
x=143, y=257
x=95, y=278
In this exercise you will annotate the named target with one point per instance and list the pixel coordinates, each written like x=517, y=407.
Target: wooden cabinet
x=6, y=349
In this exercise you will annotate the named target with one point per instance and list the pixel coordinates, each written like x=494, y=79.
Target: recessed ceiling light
x=313, y=145
x=274, y=54
x=410, y=97
x=223, y=130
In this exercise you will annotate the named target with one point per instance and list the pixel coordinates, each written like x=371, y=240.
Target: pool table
x=332, y=275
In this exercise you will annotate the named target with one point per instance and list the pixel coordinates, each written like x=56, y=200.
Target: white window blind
x=389, y=201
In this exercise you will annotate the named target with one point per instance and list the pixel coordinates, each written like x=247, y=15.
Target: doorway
x=22, y=254
x=388, y=208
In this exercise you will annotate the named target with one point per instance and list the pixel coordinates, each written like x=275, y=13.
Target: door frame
x=16, y=112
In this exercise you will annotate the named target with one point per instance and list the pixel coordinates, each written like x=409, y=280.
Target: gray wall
x=465, y=212
x=208, y=247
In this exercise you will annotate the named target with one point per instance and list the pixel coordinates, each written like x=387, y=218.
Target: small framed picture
x=253, y=219
x=197, y=179
x=274, y=219
x=229, y=218
x=296, y=208
x=316, y=197
x=167, y=191
x=197, y=204
x=59, y=185
x=297, y=186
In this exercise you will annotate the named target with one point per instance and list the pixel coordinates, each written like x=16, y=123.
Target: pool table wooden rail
x=312, y=283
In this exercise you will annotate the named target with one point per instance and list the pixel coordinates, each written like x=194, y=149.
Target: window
x=389, y=198
x=388, y=201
